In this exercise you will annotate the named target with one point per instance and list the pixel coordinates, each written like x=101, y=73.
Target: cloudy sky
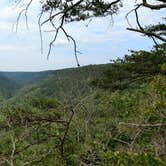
x=99, y=41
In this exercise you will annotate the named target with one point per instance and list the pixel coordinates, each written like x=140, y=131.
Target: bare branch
x=37, y=160
x=25, y=11
x=40, y=30
x=149, y=34
x=143, y=125
x=153, y=7
x=62, y=140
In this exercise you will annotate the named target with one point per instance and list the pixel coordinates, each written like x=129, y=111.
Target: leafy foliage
x=7, y=87
x=62, y=120
x=81, y=10
x=139, y=66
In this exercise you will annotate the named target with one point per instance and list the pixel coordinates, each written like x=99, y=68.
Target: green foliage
x=159, y=29
x=82, y=10
x=139, y=66
x=121, y=159
x=7, y=87
x=107, y=128
x=44, y=103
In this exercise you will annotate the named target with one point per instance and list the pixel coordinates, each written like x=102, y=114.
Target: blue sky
x=99, y=42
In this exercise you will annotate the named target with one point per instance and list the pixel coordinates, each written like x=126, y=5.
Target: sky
x=99, y=42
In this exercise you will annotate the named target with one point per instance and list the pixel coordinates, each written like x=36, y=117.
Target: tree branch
x=143, y=125
x=153, y=7
x=147, y=33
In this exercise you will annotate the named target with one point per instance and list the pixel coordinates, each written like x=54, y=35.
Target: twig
x=143, y=125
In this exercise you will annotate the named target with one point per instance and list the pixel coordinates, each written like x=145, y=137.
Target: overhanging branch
x=153, y=7
x=147, y=33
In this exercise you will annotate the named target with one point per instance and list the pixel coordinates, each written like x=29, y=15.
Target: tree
x=139, y=66
x=67, y=11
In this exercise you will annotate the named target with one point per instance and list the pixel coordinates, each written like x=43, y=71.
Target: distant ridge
x=49, y=82
x=23, y=77
x=8, y=87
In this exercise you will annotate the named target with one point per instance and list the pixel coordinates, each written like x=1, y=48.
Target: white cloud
x=13, y=48
x=98, y=41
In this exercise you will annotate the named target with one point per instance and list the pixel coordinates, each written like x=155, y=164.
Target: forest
x=98, y=115
x=110, y=114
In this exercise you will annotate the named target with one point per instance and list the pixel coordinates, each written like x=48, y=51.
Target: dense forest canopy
x=98, y=115
x=112, y=114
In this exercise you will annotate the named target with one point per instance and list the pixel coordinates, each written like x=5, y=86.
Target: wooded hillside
x=98, y=115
